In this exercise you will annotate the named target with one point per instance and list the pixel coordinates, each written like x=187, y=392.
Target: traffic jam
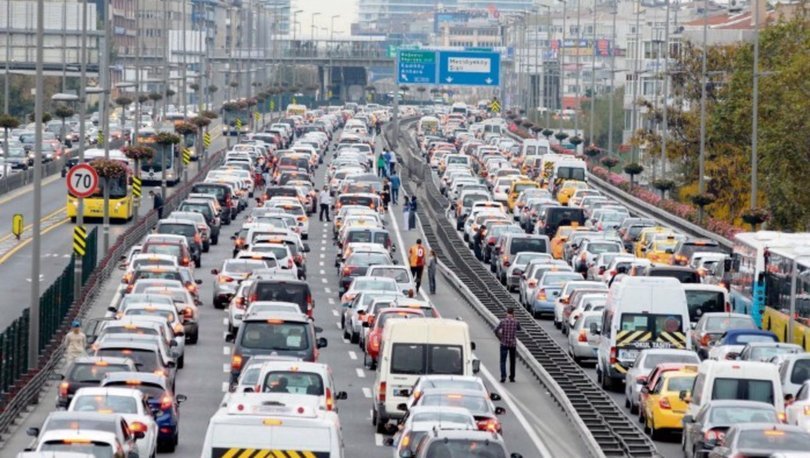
x=645, y=308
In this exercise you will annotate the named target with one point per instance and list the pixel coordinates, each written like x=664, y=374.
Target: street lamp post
x=561, y=77
x=578, y=92
x=754, y=116
x=636, y=75
x=33, y=322
x=593, y=78
x=703, y=71
x=664, y=109
x=615, y=13
x=292, y=54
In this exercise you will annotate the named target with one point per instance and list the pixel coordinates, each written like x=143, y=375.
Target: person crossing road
x=417, y=257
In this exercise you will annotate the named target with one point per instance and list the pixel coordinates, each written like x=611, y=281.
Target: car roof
x=146, y=377
x=107, y=359
x=277, y=315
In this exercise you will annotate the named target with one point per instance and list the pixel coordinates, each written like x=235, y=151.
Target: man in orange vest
x=417, y=256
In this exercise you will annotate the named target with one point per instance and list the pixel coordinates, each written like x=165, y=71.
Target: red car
x=374, y=340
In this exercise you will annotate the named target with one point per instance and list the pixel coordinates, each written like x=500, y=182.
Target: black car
x=88, y=371
x=224, y=195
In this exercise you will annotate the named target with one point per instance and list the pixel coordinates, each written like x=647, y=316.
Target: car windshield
x=416, y=359
x=367, y=259
x=701, y=302
x=678, y=384
x=466, y=448
x=742, y=339
x=186, y=230
x=558, y=278
x=599, y=248
x=399, y=275
x=169, y=249
x=724, y=323
x=743, y=389
x=373, y=284
x=272, y=335
x=95, y=449
x=130, y=329
x=773, y=440
x=524, y=258
x=475, y=404
x=243, y=266
x=157, y=275
x=105, y=404
x=650, y=361
x=92, y=373
x=398, y=315
x=440, y=417
x=145, y=360
x=528, y=244
x=293, y=382
x=732, y=415
x=767, y=352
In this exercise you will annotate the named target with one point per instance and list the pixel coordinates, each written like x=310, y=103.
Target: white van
x=269, y=422
x=641, y=312
x=539, y=147
x=703, y=298
x=736, y=380
x=569, y=168
x=413, y=348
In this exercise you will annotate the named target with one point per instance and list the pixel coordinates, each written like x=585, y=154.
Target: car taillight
x=330, y=401
x=138, y=427
x=613, y=355
x=490, y=425
x=299, y=259
x=374, y=342
x=348, y=270
x=713, y=436
x=63, y=389
x=225, y=279
x=197, y=238
x=601, y=270
x=381, y=394
x=192, y=288
x=490, y=240
x=290, y=263
x=236, y=362
x=310, y=305
x=517, y=272
x=532, y=283
x=663, y=403
x=166, y=402
x=239, y=302
x=505, y=261
x=185, y=261
x=583, y=336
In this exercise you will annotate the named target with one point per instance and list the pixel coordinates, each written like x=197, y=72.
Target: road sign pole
x=393, y=143
x=78, y=265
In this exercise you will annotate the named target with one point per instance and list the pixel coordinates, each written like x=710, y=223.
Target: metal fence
x=20, y=179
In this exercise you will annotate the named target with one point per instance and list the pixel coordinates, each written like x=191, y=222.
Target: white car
x=400, y=274
x=130, y=404
x=421, y=420
x=301, y=378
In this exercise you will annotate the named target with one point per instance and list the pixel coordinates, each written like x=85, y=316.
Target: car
x=707, y=429
x=70, y=443
x=186, y=308
x=478, y=403
x=88, y=371
x=765, y=351
x=279, y=333
x=637, y=376
x=547, y=290
x=373, y=342
x=356, y=264
x=299, y=377
x=148, y=352
x=130, y=404
x=209, y=234
x=451, y=442
x=187, y=229
x=60, y=425
x=284, y=290
x=581, y=341
x=229, y=276
x=664, y=404
x=762, y=439
x=400, y=274
x=351, y=310
x=145, y=325
x=732, y=341
x=420, y=420
x=518, y=266
x=163, y=403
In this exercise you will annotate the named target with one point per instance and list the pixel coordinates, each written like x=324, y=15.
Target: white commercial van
x=641, y=312
x=537, y=147
x=736, y=380
x=568, y=168
x=272, y=423
x=412, y=348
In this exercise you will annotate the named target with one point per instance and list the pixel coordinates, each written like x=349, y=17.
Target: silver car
x=516, y=269
x=582, y=341
x=233, y=272
x=636, y=376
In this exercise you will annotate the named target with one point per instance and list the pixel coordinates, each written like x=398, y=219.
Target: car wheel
x=381, y=424
x=215, y=240
x=181, y=362
x=633, y=406
x=355, y=337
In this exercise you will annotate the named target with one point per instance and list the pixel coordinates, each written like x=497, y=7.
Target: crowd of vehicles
x=695, y=336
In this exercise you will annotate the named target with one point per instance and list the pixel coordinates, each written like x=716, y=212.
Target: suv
x=283, y=290
x=87, y=371
x=278, y=333
x=187, y=229
x=224, y=195
x=511, y=244
x=459, y=442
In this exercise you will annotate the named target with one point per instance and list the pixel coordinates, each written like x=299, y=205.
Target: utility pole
x=754, y=118
x=183, y=85
x=136, y=204
x=163, y=148
x=64, y=56
x=579, y=91
x=36, y=247
x=664, y=109
x=612, y=76
x=77, y=260
x=561, y=82
x=7, y=76
x=593, y=77
x=104, y=69
x=636, y=59
x=701, y=171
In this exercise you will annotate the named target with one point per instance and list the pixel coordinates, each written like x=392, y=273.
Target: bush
x=230, y=106
x=185, y=128
x=123, y=101
x=138, y=152
x=63, y=112
x=9, y=122
x=154, y=96
x=560, y=136
x=755, y=216
x=201, y=121
x=167, y=138
x=592, y=151
x=108, y=169
x=633, y=169
x=576, y=140
x=663, y=184
x=194, y=87
x=143, y=98
x=209, y=114
x=547, y=132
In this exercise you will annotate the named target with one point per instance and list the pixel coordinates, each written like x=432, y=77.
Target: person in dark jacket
x=395, y=184
x=433, y=263
x=478, y=241
x=386, y=193
x=157, y=203
x=412, y=214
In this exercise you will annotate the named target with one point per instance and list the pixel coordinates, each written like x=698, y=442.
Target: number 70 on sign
x=82, y=180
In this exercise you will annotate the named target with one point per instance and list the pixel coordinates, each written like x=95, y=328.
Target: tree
x=633, y=169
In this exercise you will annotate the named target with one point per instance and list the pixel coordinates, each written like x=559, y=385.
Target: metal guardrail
x=25, y=389
x=604, y=421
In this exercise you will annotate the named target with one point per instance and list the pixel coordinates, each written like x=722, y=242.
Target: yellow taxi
x=644, y=238
x=661, y=249
x=567, y=190
x=663, y=407
x=558, y=242
x=517, y=187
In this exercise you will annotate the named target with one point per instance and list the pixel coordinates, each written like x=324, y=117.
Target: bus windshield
x=163, y=156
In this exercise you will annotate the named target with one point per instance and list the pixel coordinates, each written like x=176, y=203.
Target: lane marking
x=324, y=280
x=226, y=351
x=25, y=189
x=27, y=241
x=225, y=321
x=225, y=386
x=353, y=357
x=334, y=312
x=360, y=373
x=226, y=368
x=516, y=412
x=403, y=253
x=367, y=392
x=322, y=272
x=331, y=301
x=378, y=439
x=323, y=255
x=327, y=290
x=320, y=263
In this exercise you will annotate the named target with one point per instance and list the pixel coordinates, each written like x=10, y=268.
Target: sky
x=347, y=9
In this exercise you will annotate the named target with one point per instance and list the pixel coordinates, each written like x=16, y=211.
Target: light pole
x=593, y=77
x=636, y=74
x=578, y=89
x=561, y=83
x=702, y=166
x=292, y=54
x=104, y=69
x=754, y=121
x=329, y=48
x=664, y=109
x=33, y=321
x=615, y=13
x=165, y=60
x=7, y=76
x=541, y=60
x=78, y=266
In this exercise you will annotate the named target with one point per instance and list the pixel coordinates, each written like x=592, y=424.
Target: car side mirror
x=685, y=396
x=688, y=419
x=515, y=455
x=395, y=262
x=122, y=266
x=322, y=342
x=692, y=325
x=472, y=346
x=494, y=396
x=171, y=364
x=233, y=237
x=199, y=282
x=181, y=398
x=476, y=365
x=732, y=355
x=249, y=389
x=33, y=431
x=341, y=396
x=318, y=329
x=306, y=248
x=138, y=435
x=402, y=407
x=499, y=410
x=388, y=442
x=173, y=343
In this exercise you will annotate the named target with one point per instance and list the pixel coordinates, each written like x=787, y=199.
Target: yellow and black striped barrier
x=265, y=453
x=100, y=137
x=207, y=139
x=79, y=240
x=186, y=156
x=136, y=186
x=495, y=106
x=677, y=339
x=238, y=123
x=256, y=116
x=625, y=338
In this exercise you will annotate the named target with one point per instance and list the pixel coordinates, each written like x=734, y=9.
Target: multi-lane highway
x=533, y=424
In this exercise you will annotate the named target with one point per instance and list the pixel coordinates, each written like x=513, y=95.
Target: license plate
x=272, y=409
x=628, y=354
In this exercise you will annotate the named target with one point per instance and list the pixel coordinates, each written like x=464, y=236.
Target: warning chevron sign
x=136, y=186
x=495, y=106
x=186, y=156
x=207, y=139
x=79, y=240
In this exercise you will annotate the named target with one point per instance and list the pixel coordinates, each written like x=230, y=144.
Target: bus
x=747, y=286
x=120, y=203
x=152, y=169
x=778, y=276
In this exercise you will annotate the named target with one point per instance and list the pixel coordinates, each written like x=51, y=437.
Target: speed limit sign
x=82, y=180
